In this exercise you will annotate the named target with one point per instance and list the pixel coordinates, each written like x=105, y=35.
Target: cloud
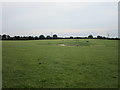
x=62, y=18
x=60, y=0
x=68, y=32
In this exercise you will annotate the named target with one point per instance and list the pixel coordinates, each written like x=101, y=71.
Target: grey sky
x=61, y=18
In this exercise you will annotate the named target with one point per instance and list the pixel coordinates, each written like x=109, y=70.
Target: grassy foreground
x=83, y=63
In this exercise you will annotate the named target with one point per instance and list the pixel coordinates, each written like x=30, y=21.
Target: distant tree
x=23, y=37
x=71, y=37
x=85, y=37
x=36, y=37
x=30, y=37
x=41, y=37
x=99, y=37
x=8, y=37
x=16, y=37
x=90, y=36
x=48, y=37
x=0, y=37
x=77, y=37
x=4, y=36
x=55, y=36
x=104, y=37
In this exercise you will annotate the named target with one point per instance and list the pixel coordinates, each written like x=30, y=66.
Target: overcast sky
x=61, y=18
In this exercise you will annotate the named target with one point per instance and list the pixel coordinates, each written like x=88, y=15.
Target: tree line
x=40, y=37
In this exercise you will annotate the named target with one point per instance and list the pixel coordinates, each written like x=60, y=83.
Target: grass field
x=84, y=63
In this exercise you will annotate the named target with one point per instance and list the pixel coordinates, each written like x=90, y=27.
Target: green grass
x=0, y=65
x=45, y=64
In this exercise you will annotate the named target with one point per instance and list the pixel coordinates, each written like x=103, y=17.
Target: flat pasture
x=62, y=63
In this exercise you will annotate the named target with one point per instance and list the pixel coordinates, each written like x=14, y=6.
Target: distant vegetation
x=8, y=37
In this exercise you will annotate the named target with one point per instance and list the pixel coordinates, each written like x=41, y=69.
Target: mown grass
x=83, y=63
x=0, y=64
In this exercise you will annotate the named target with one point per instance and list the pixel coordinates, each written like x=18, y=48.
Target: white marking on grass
x=61, y=44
